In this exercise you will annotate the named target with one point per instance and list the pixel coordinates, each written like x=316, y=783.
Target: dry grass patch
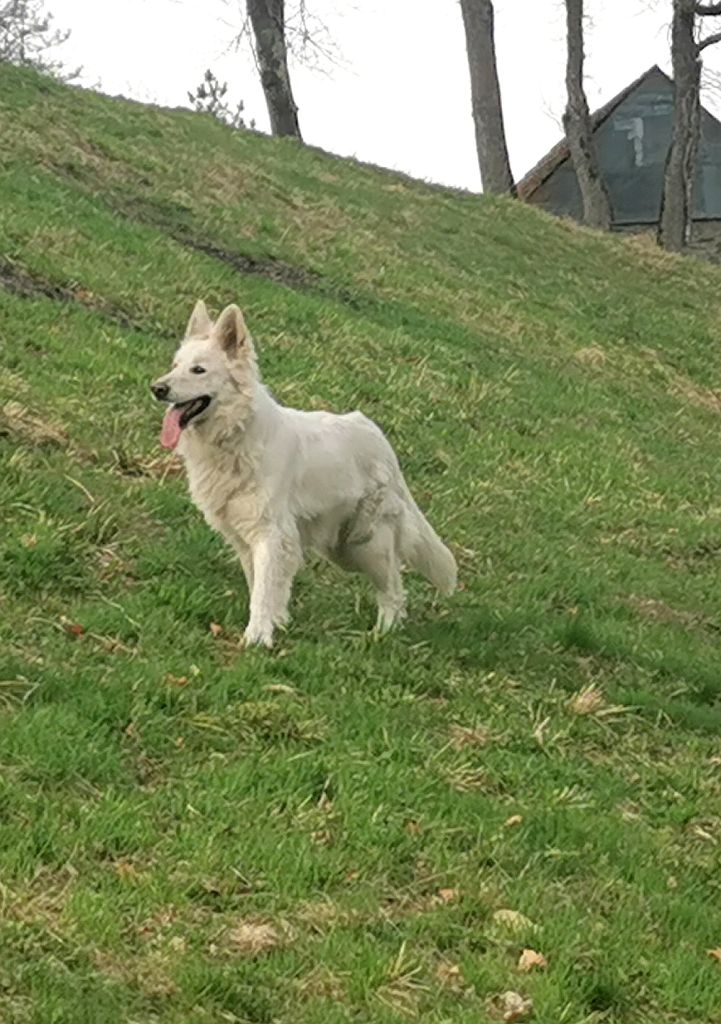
x=592, y=356
x=252, y=937
x=659, y=611
x=469, y=735
x=16, y=419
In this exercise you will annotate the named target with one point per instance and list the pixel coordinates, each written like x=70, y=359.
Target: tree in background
x=577, y=125
x=209, y=98
x=27, y=37
x=491, y=144
x=267, y=21
x=687, y=45
x=277, y=31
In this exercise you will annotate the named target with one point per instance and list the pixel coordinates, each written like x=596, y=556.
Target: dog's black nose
x=160, y=391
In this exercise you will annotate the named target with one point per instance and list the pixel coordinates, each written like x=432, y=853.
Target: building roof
x=560, y=152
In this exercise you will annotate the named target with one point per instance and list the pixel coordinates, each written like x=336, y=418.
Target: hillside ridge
x=346, y=829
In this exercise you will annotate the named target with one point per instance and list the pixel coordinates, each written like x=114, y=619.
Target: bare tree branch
x=711, y=86
x=708, y=9
x=708, y=41
x=308, y=39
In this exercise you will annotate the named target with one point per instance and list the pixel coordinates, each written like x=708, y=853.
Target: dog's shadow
x=468, y=635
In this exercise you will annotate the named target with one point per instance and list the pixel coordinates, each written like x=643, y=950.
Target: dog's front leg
x=276, y=559
x=246, y=560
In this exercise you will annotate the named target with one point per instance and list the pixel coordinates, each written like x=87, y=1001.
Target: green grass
x=190, y=833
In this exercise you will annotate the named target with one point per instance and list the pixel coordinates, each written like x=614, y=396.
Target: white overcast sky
x=400, y=96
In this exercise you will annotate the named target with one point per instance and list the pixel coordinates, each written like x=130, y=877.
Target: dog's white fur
x=277, y=482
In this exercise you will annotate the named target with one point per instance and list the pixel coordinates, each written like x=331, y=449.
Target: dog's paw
x=388, y=620
x=257, y=637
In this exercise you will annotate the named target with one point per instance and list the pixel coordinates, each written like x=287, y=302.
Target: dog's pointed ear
x=230, y=331
x=200, y=324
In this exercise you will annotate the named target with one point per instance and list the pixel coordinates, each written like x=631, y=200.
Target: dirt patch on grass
x=42, y=901
x=149, y=974
x=176, y=223
x=270, y=267
x=28, y=284
x=659, y=611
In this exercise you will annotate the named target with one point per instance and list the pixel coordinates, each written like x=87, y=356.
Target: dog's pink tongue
x=170, y=434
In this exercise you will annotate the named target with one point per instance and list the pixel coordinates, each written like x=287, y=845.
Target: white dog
x=277, y=482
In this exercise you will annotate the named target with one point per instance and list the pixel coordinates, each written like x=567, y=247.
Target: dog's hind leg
x=377, y=558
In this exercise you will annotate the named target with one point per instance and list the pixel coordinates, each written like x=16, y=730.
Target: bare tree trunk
x=577, y=124
x=486, y=97
x=677, y=201
x=267, y=18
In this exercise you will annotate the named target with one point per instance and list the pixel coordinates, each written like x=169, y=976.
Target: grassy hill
x=190, y=833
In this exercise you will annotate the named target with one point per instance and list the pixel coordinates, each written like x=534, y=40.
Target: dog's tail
x=423, y=550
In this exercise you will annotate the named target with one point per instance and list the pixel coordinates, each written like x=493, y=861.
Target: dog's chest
x=224, y=486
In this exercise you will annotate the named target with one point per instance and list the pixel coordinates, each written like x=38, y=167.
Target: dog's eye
x=197, y=369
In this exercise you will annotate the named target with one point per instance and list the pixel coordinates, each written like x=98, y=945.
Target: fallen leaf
x=179, y=742
x=449, y=974
x=715, y=954
x=176, y=680
x=513, y=921
x=29, y=540
x=124, y=869
x=448, y=895
x=74, y=628
x=510, y=1006
x=529, y=959
x=215, y=628
x=515, y=819
x=413, y=828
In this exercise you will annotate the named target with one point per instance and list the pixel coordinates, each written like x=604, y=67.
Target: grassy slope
x=164, y=799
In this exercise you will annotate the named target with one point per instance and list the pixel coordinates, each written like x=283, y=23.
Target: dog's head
x=208, y=370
